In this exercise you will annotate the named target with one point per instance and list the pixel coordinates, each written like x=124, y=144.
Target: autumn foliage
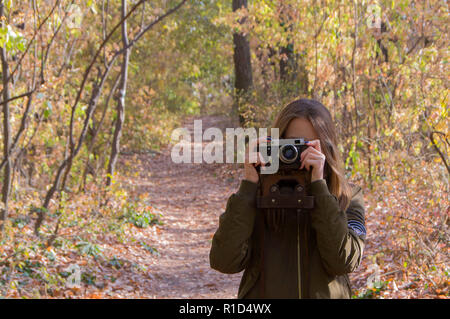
x=381, y=67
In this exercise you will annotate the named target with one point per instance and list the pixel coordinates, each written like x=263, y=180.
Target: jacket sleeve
x=340, y=236
x=231, y=244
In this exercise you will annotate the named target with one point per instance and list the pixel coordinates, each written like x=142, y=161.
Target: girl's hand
x=313, y=158
x=250, y=172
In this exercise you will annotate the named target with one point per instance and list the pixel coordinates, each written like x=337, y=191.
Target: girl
x=305, y=255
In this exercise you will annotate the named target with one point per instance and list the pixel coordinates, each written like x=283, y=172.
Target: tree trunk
x=242, y=66
x=293, y=72
x=115, y=149
x=6, y=132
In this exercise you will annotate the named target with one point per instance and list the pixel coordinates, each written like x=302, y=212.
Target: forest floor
x=190, y=197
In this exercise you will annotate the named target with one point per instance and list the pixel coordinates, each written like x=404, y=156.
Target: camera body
x=287, y=187
x=288, y=152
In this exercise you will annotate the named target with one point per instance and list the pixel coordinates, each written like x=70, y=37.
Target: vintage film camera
x=289, y=151
x=287, y=188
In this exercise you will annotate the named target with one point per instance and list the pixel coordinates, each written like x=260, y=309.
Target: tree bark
x=292, y=65
x=242, y=66
x=115, y=148
x=6, y=131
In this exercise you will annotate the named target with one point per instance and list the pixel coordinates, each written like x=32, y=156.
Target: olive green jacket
x=302, y=264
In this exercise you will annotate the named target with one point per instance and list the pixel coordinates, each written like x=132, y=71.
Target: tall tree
x=120, y=109
x=6, y=127
x=293, y=72
x=242, y=65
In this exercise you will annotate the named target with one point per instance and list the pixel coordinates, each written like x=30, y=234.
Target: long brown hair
x=321, y=120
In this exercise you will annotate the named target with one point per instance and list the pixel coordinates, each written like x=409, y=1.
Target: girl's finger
x=311, y=157
x=315, y=144
x=261, y=159
x=305, y=160
x=309, y=150
x=314, y=163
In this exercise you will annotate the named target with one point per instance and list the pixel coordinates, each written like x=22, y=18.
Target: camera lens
x=288, y=153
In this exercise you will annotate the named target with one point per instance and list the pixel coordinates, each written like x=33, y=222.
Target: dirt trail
x=191, y=197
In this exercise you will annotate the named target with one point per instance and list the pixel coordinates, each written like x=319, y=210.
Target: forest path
x=190, y=197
